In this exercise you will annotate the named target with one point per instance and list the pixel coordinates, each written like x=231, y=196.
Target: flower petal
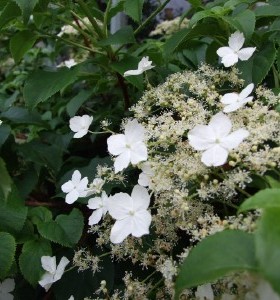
x=215, y=156
x=46, y=281
x=76, y=177
x=236, y=41
x=133, y=72
x=230, y=60
x=49, y=263
x=67, y=187
x=224, y=51
x=120, y=230
x=234, y=139
x=75, y=123
x=7, y=286
x=220, y=124
x=247, y=91
x=141, y=223
x=72, y=196
x=95, y=217
x=122, y=161
x=138, y=153
x=95, y=203
x=140, y=197
x=246, y=53
x=201, y=137
x=144, y=179
x=116, y=144
x=82, y=186
x=134, y=132
x=229, y=98
x=232, y=107
x=80, y=133
x=60, y=268
x=119, y=205
x=6, y=296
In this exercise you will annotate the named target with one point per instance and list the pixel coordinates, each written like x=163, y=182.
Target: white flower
x=6, y=287
x=233, y=101
x=131, y=214
x=216, y=140
x=145, y=176
x=71, y=298
x=128, y=146
x=80, y=125
x=67, y=63
x=231, y=54
x=100, y=204
x=96, y=186
x=53, y=273
x=75, y=188
x=144, y=65
x=204, y=292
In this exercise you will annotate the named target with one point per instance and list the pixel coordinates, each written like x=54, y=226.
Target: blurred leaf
x=118, y=7
x=66, y=230
x=30, y=259
x=200, y=16
x=273, y=183
x=42, y=154
x=10, y=12
x=267, y=198
x=77, y=101
x=5, y=180
x=257, y=67
x=41, y=85
x=5, y=131
x=123, y=36
x=21, y=42
x=39, y=214
x=245, y=22
x=268, y=246
x=26, y=7
x=133, y=8
x=195, y=3
x=216, y=256
x=267, y=11
x=13, y=212
x=21, y=115
x=7, y=253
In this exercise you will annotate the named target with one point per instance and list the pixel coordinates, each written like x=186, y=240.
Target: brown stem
x=123, y=87
x=48, y=204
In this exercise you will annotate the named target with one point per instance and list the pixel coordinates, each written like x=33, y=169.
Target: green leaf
x=123, y=36
x=39, y=214
x=77, y=101
x=133, y=8
x=13, y=212
x=216, y=256
x=267, y=198
x=118, y=7
x=195, y=3
x=5, y=131
x=30, y=259
x=26, y=7
x=272, y=182
x=65, y=230
x=9, y=13
x=7, y=252
x=267, y=11
x=200, y=16
x=257, y=67
x=245, y=22
x=41, y=85
x=20, y=115
x=268, y=246
x=21, y=42
x=5, y=180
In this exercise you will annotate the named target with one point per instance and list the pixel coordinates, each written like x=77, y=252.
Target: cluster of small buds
x=168, y=27
x=84, y=261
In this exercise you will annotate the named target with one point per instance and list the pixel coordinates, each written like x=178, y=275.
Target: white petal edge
x=215, y=156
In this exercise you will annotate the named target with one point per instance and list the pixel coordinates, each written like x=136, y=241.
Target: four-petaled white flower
x=144, y=65
x=54, y=273
x=80, y=125
x=231, y=54
x=128, y=146
x=233, y=101
x=216, y=140
x=100, y=204
x=145, y=177
x=131, y=214
x=6, y=287
x=75, y=188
